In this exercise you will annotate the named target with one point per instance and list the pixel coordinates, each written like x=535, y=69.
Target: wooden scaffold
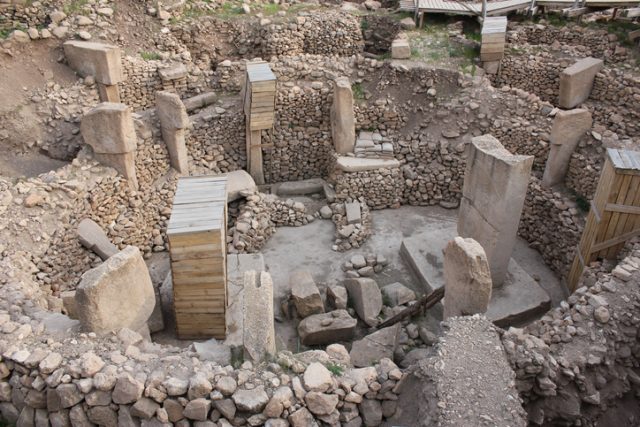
x=614, y=217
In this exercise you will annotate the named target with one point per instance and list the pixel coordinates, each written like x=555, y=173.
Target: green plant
x=386, y=300
x=237, y=359
x=150, y=56
x=358, y=91
x=364, y=25
x=335, y=369
x=229, y=9
x=270, y=9
x=583, y=203
x=74, y=7
x=4, y=32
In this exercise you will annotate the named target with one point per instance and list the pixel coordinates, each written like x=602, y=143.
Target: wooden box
x=259, y=96
x=197, y=241
x=494, y=30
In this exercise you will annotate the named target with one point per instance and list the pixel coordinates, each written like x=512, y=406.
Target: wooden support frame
x=614, y=217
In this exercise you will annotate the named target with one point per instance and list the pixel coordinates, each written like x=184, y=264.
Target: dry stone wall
x=615, y=102
x=580, y=359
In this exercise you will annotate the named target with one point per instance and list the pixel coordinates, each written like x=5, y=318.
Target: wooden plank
x=613, y=207
x=206, y=265
x=607, y=244
x=627, y=220
x=614, y=217
x=199, y=238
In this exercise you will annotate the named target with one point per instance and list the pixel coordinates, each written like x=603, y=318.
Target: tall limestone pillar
x=495, y=186
x=173, y=122
x=110, y=131
x=343, y=128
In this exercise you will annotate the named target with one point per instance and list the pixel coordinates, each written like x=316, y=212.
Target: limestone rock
x=305, y=294
x=366, y=297
x=92, y=237
x=117, y=294
x=397, y=294
x=378, y=345
x=317, y=378
x=326, y=328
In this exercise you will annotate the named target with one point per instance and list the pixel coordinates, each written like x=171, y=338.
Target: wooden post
x=614, y=216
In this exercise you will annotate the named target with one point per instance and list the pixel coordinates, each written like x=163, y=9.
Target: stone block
x=92, y=237
x=467, y=278
x=259, y=331
x=103, y=61
x=305, y=294
x=366, y=297
x=353, y=211
x=109, y=129
x=357, y=164
x=327, y=328
x=378, y=345
x=117, y=294
x=400, y=49
x=343, y=128
x=568, y=128
x=398, y=294
x=173, y=72
x=495, y=186
x=577, y=80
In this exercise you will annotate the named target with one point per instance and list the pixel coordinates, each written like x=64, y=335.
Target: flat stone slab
x=357, y=164
x=519, y=299
x=354, y=214
x=299, y=188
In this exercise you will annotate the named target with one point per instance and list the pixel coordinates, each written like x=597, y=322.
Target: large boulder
x=397, y=294
x=305, y=294
x=99, y=60
x=117, y=294
x=378, y=345
x=366, y=297
x=327, y=328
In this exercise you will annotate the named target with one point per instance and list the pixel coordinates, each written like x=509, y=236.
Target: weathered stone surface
x=92, y=237
x=259, y=331
x=251, y=400
x=577, y=80
x=400, y=49
x=282, y=399
x=197, y=409
x=327, y=328
x=495, y=186
x=376, y=346
x=343, y=128
x=99, y=60
x=214, y=351
x=360, y=164
x=317, y=377
x=173, y=120
x=321, y=403
x=568, y=128
x=371, y=412
x=144, y=408
x=305, y=294
x=366, y=297
x=68, y=395
x=127, y=389
x=337, y=297
x=237, y=182
x=397, y=294
x=467, y=278
x=302, y=418
x=103, y=416
x=353, y=212
x=110, y=131
x=117, y=294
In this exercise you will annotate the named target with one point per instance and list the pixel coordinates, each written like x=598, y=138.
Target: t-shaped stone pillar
x=110, y=131
x=102, y=61
x=173, y=122
x=343, y=128
x=568, y=128
x=495, y=186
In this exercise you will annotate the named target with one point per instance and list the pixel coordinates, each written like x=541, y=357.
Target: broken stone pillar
x=102, y=61
x=495, y=186
x=343, y=127
x=110, y=131
x=327, y=328
x=92, y=237
x=173, y=122
x=117, y=294
x=366, y=297
x=577, y=80
x=467, y=278
x=568, y=128
x=259, y=331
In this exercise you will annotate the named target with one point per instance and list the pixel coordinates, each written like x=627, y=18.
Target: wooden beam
x=615, y=241
x=426, y=302
x=614, y=207
x=573, y=12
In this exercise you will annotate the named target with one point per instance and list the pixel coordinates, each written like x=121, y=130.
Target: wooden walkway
x=501, y=7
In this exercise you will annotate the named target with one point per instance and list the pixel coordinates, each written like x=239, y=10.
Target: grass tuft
x=150, y=56
x=358, y=91
x=335, y=369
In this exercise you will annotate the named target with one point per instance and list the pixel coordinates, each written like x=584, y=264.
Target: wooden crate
x=198, y=241
x=614, y=217
x=259, y=96
x=493, y=36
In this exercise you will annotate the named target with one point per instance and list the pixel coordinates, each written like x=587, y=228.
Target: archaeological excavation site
x=401, y=213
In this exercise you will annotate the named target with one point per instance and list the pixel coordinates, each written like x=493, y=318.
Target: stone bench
x=354, y=164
